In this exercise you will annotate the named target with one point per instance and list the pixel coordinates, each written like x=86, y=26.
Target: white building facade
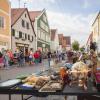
x=23, y=35
x=54, y=45
x=42, y=30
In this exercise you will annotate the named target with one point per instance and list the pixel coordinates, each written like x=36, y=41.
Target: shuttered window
x=20, y=34
x=13, y=32
x=1, y=22
x=28, y=37
x=23, y=23
x=25, y=36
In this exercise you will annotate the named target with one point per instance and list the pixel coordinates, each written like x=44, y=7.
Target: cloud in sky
x=27, y=0
x=40, y=1
x=86, y=4
x=77, y=26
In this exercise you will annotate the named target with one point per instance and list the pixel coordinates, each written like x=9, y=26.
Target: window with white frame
x=16, y=34
x=2, y=22
x=44, y=18
x=31, y=38
x=43, y=35
x=3, y=43
x=42, y=25
x=47, y=29
x=23, y=35
x=48, y=38
x=39, y=33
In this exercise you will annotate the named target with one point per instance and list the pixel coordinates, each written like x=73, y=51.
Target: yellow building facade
x=5, y=24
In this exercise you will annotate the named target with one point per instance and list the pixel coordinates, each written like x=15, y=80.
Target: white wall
x=55, y=44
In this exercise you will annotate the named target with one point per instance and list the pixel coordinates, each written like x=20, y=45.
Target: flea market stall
x=55, y=81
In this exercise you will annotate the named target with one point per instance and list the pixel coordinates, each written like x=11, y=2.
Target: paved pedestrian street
x=16, y=71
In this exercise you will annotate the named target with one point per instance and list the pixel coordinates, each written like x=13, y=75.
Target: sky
x=70, y=17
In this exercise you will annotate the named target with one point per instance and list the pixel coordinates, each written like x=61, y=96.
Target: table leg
x=22, y=96
x=9, y=96
x=82, y=98
x=65, y=97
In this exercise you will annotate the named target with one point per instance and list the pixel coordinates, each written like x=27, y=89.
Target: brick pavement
x=15, y=71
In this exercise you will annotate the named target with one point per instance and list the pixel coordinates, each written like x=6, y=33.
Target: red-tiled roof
x=16, y=13
x=60, y=36
x=34, y=14
x=53, y=34
x=67, y=39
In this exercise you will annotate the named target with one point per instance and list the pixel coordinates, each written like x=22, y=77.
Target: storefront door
x=26, y=51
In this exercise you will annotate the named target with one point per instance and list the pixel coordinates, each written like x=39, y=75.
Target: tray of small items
x=52, y=86
x=33, y=82
x=10, y=83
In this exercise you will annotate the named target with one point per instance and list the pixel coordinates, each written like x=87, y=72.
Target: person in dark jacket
x=49, y=57
x=21, y=58
x=40, y=58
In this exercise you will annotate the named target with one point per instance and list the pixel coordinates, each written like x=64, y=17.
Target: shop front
x=3, y=45
x=44, y=47
x=23, y=47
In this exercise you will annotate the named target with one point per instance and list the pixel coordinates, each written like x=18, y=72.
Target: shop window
x=3, y=43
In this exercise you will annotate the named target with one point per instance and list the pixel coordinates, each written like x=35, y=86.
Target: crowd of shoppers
x=8, y=58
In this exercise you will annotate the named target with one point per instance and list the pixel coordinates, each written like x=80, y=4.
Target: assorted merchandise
x=55, y=80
